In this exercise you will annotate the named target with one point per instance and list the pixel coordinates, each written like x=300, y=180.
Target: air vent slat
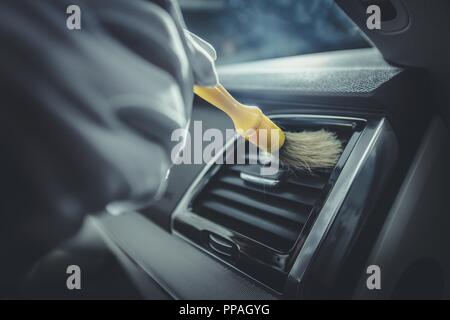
x=266, y=208
x=314, y=181
x=304, y=197
x=247, y=224
x=309, y=181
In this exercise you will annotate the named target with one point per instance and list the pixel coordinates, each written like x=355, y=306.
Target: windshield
x=247, y=30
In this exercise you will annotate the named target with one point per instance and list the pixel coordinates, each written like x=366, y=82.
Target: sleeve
x=87, y=115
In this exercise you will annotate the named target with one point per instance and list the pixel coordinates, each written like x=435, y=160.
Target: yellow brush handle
x=248, y=120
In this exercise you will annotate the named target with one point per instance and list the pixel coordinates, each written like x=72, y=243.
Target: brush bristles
x=310, y=150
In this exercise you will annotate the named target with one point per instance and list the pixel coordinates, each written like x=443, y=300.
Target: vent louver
x=271, y=215
x=258, y=224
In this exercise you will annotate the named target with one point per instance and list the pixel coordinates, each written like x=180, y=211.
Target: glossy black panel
x=351, y=201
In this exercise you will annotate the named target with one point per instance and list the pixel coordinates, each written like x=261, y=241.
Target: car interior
x=223, y=231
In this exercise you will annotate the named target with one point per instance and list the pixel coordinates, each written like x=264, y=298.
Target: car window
x=246, y=30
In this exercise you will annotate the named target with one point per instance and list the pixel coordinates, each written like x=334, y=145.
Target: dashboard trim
x=333, y=204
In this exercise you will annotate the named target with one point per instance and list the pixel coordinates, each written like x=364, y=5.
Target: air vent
x=273, y=215
x=256, y=223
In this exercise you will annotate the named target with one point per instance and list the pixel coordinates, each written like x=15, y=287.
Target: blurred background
x=243, y=30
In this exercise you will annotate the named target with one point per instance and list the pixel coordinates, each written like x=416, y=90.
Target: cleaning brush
x=306, y=150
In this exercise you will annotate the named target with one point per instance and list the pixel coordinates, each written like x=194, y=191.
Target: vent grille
x=258, y=224
x=271, y=215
